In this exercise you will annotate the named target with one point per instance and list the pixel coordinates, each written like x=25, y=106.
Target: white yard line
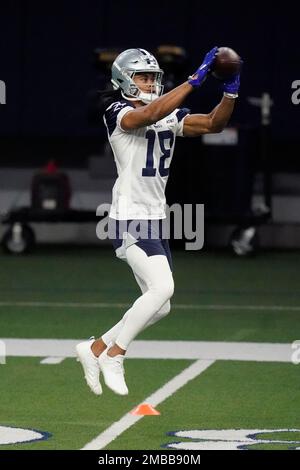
x=293, y=308
x=192, y=350
x=52, y=360
x=128, y=420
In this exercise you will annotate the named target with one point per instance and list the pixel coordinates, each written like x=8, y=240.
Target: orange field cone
x=144, y=409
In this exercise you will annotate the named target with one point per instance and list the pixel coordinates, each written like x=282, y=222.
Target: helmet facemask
x=135, y=93
x=137, y=61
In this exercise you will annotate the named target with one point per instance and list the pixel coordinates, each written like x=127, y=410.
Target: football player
x=142, y=126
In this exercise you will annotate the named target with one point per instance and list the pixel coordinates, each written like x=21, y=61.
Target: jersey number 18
x=149, y=170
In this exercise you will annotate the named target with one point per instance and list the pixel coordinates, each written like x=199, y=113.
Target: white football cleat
x=113, y=372
x=90, y=365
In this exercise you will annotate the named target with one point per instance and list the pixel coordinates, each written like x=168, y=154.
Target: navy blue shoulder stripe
x=181, y=113
x=112, y=112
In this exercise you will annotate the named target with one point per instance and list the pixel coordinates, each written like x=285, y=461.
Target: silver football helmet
x=126, y=65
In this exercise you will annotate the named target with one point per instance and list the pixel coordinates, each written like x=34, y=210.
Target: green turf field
x=70, y=293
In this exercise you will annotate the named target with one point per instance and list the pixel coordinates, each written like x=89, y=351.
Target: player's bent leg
x=90, y=365
x=155, y=246
x=111, y=335
x=155, y=279
x=155, y=271
x=162, y=312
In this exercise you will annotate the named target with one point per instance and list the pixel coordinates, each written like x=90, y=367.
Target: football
x=226, y=63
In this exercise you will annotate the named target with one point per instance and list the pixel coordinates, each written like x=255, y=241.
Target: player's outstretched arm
x=214, y=122
x=157, y=110
x=164, y=105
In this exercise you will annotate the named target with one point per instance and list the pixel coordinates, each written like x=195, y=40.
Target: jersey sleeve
x=180, y=115
x=114, y=114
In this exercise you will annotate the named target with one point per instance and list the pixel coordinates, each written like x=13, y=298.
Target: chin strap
x=144, y=97
x=148, y=97
x=129, y=98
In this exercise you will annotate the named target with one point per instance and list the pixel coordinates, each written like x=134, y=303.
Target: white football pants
x=154, y=276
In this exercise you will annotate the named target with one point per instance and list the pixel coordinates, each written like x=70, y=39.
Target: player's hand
x=201, y=73
x=232, y=85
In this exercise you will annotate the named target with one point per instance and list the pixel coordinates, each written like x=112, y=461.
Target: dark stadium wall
x=46, y=51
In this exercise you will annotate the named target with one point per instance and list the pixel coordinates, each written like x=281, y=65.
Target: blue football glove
x=232, y=85
x=201, y=73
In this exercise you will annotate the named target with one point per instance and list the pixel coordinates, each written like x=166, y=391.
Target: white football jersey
x=143, y=157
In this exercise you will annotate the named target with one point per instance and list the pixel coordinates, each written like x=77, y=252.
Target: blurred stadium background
x=58, y=281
